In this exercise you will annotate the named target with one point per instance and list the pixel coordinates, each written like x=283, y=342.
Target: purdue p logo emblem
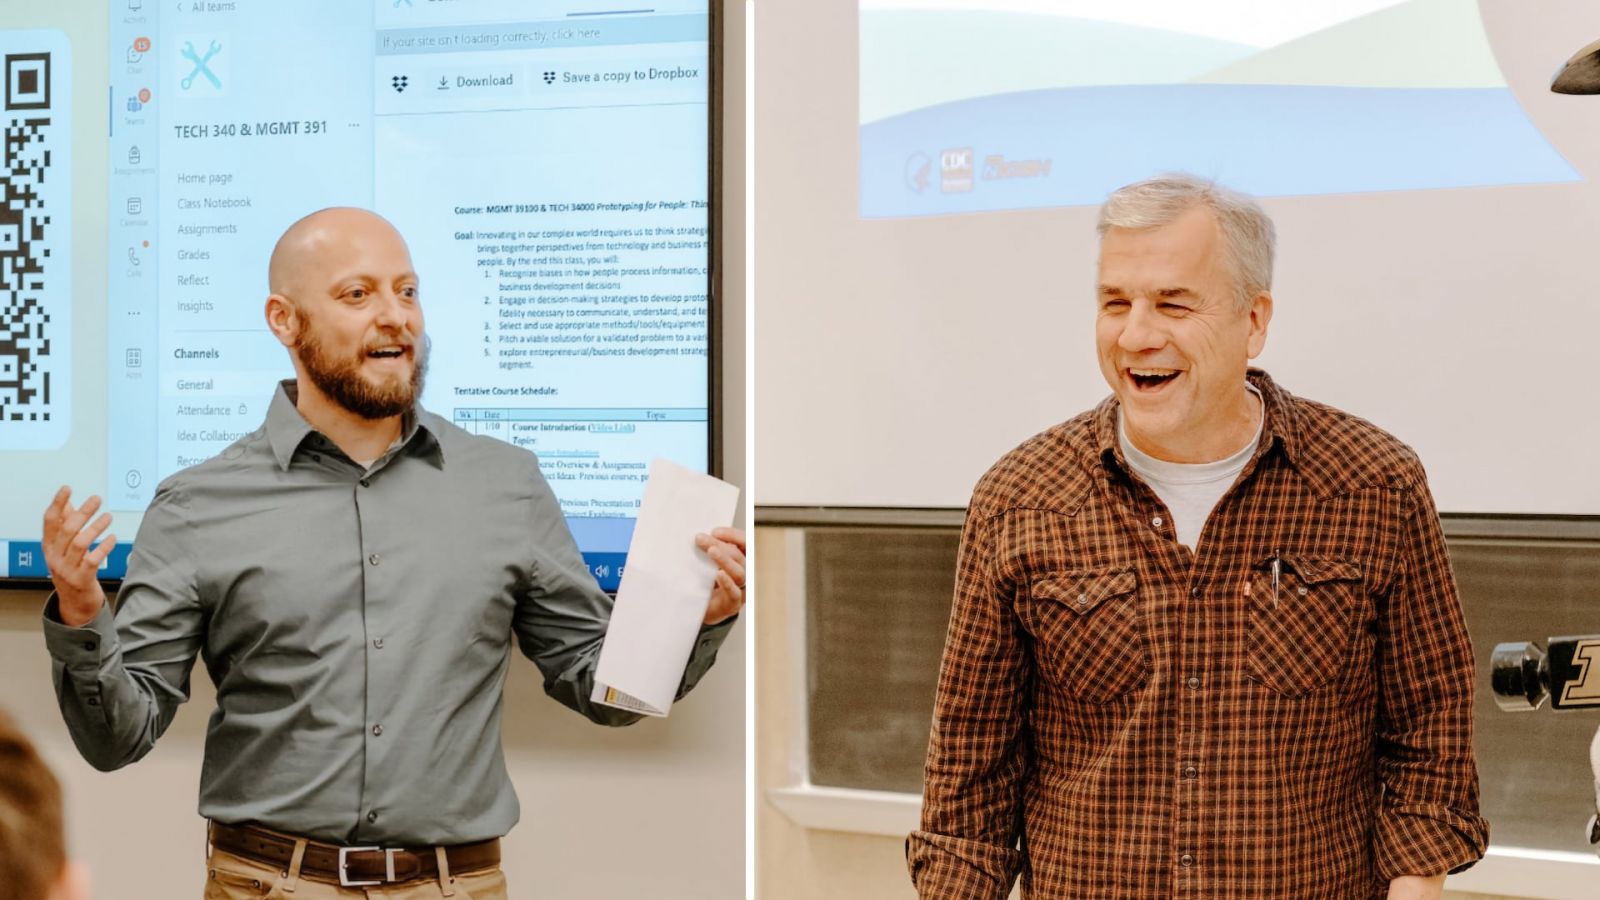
x=1583, y=686
x=1523, y=675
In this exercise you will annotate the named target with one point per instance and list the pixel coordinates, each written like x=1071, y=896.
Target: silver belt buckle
x=388, y=864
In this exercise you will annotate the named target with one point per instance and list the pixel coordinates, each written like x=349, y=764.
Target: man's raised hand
x=74, y=567
x=725, y=546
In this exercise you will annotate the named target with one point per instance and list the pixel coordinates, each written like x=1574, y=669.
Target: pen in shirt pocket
x=1277, y=573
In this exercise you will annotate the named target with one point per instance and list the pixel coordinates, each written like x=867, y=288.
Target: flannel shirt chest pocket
x=1085, y=630
x=1302, y=628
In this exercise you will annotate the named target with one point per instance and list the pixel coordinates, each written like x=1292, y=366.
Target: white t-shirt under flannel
x=1190, y=490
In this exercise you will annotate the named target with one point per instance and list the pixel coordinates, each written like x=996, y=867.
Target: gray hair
x=1247, y=234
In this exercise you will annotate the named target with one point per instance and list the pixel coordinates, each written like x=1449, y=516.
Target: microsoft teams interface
x=546, y=163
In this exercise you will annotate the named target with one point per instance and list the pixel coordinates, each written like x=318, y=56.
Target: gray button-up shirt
x=357, y=624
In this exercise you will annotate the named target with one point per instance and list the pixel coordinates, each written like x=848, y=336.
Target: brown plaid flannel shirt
x=1151, y=722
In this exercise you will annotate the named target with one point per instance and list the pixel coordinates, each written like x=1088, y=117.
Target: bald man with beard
x=353, y=574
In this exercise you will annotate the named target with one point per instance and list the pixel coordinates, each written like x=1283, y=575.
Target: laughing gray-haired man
x=1205, y=639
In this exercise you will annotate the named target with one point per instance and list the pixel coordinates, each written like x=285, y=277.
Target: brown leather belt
x=352, y=866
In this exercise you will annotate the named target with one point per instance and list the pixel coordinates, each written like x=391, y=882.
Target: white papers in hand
x=666, y=585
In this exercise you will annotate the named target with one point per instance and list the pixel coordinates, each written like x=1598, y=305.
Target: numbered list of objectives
x=595, y=292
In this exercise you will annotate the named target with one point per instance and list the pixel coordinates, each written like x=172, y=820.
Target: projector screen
x=926, y=248
x=971, y=106
x=547, y=164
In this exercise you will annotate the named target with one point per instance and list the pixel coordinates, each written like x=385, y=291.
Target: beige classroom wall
x=798, y=863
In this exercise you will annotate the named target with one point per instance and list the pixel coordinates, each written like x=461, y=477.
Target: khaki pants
x=230, y=877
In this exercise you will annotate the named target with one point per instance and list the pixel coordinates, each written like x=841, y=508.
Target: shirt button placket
x=376, y=580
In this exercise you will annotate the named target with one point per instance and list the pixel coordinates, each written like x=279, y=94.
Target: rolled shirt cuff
x=951, y=868
x=1428, y=842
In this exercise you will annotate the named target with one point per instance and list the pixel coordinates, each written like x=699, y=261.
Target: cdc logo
x=955, y=170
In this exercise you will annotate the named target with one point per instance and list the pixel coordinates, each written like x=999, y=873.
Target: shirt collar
x=287, y=429
x=1280, y=424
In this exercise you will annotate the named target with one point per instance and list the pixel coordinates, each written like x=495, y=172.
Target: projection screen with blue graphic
x=1014, y=104
x=927, y=247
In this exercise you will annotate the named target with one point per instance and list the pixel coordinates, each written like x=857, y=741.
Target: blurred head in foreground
x=33, y=859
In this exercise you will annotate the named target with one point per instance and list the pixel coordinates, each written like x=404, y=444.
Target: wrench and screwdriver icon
x=200, y=67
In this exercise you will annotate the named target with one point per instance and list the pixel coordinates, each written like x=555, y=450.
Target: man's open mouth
x=390, y=352
x=1152, y=379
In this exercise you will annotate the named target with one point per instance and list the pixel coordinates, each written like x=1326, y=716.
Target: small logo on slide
x=996, y=167
x=201, y=65
x=919, y=171
x=955, y=170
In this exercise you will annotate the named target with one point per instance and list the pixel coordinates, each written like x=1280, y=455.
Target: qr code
x=35, y=317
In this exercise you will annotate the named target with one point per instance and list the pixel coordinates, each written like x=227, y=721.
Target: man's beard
x=344, y=383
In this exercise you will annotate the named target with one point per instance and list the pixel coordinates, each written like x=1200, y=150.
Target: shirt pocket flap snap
x=1320, y=569
x=1083, y=591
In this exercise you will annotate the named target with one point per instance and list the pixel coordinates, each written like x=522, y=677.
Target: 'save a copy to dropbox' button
x=622, y=76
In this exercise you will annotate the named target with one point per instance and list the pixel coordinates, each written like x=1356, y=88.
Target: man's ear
x=283, y=319
x=1260, y=317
